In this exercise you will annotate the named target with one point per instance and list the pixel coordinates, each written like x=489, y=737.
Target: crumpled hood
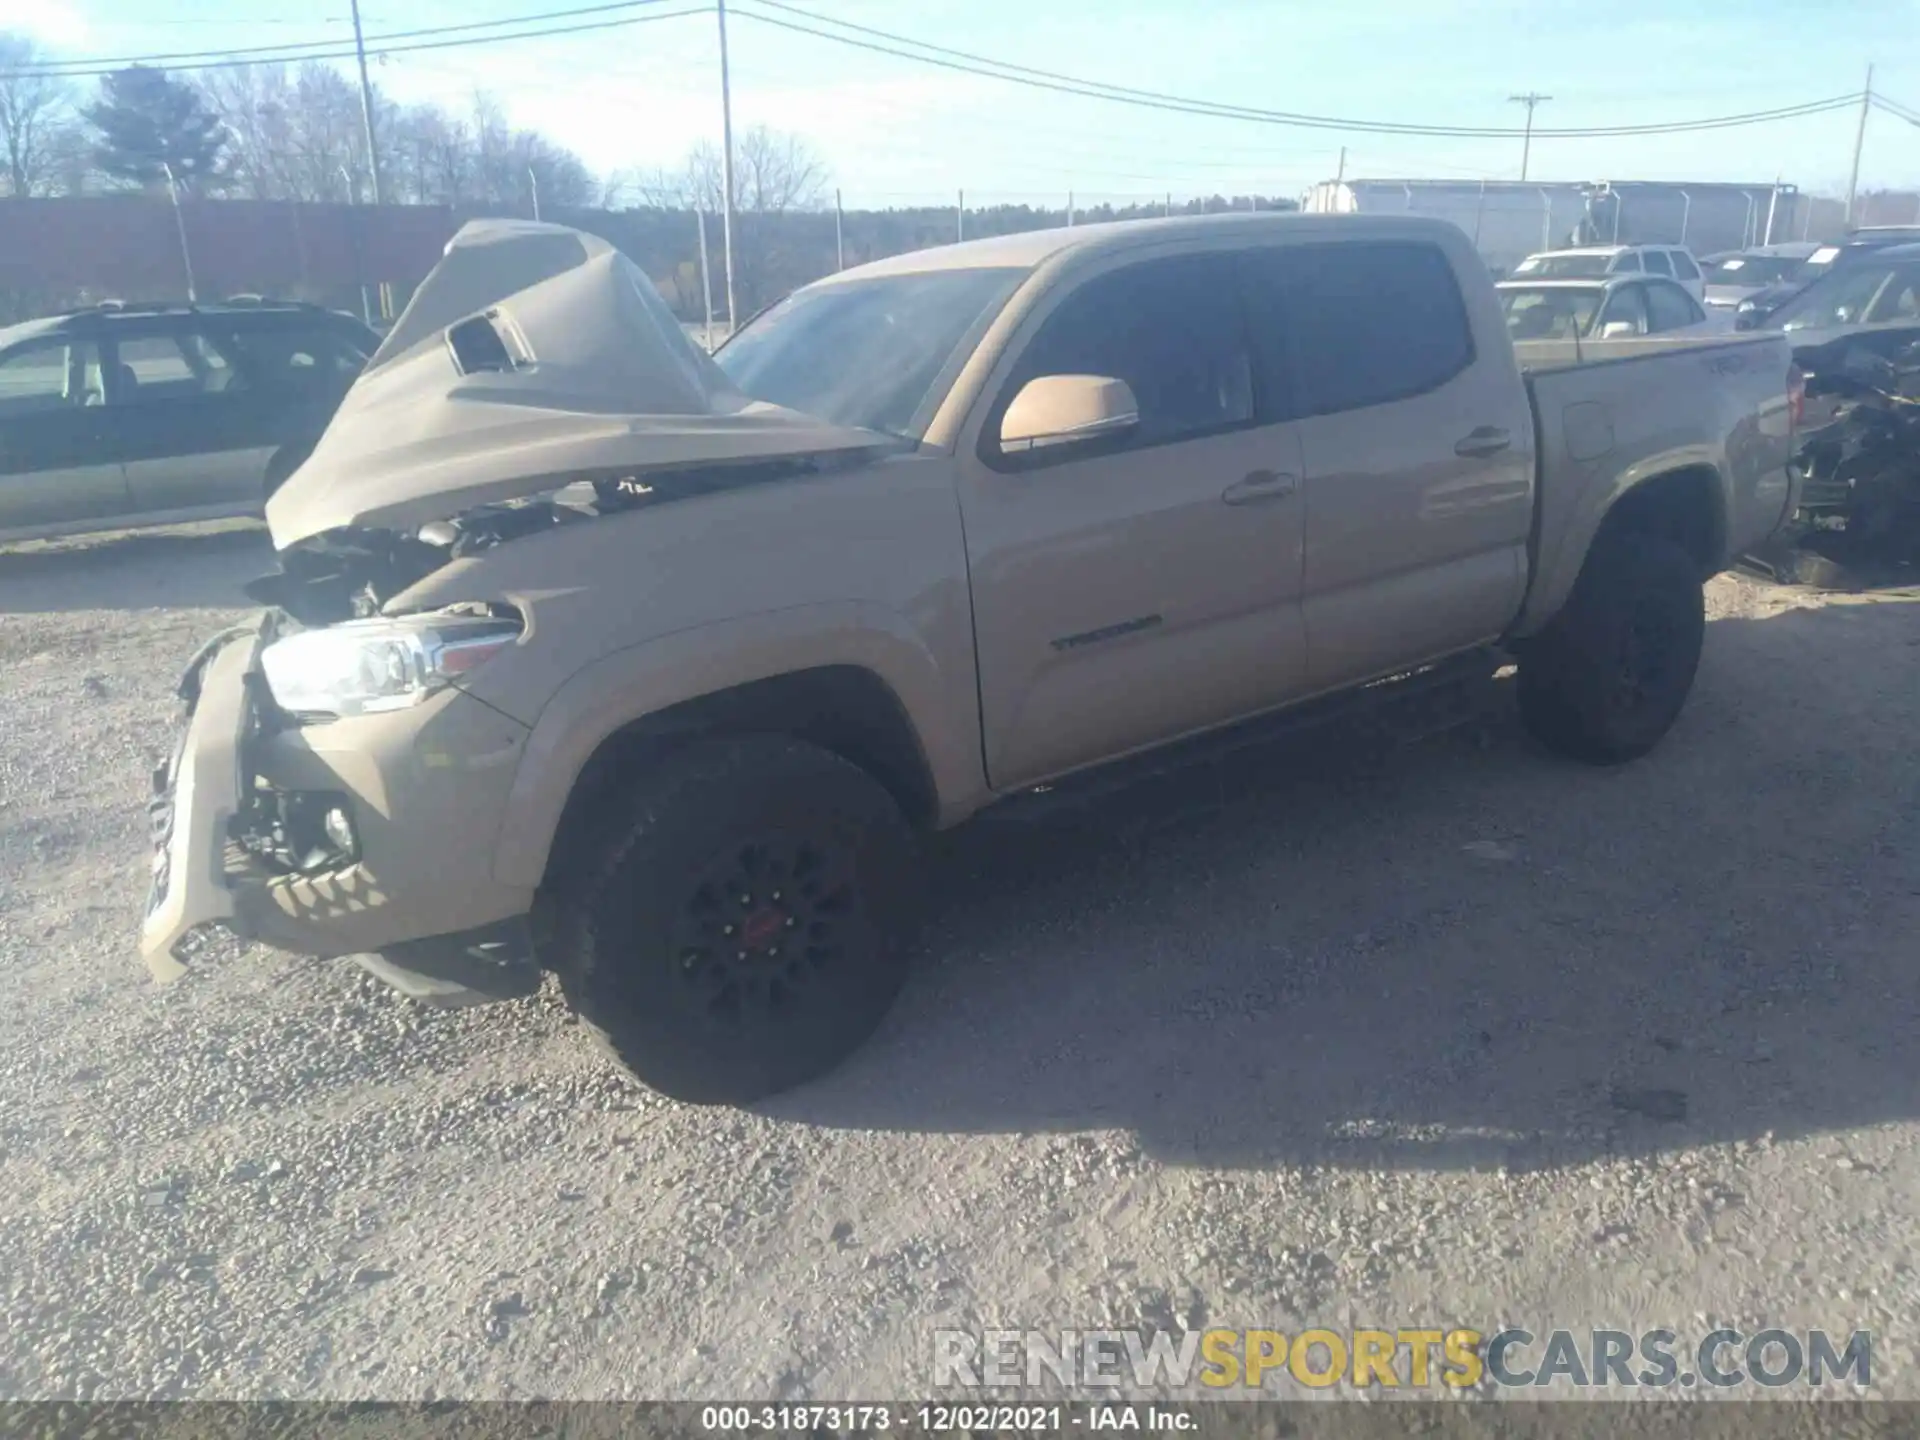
x=531, y=354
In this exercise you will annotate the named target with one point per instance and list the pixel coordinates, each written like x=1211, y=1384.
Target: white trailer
x=1510, y=219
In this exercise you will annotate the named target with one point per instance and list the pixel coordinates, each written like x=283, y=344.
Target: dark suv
x=129, y=415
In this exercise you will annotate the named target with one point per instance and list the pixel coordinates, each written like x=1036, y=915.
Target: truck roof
x=1030, y=248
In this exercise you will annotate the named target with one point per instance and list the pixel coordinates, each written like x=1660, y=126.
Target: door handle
x=1260, y=485
x=1483, y=441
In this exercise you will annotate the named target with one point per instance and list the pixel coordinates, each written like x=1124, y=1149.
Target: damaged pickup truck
x=592, y=653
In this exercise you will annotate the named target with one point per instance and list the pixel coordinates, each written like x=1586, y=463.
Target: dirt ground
x=1454, y=1034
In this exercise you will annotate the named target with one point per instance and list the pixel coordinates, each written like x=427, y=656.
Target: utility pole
x=1530, y=99
x=1859, y=144
x=726, y=165
x=1340, y=175
x=1069, y=209
x=533, y=189
x=706, y=280
x=839, y=235
x=366, y=105
x=373, y=149
x=960, y=218
x=180, y=224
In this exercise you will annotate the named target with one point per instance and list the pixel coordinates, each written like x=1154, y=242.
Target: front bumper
x=427, y=787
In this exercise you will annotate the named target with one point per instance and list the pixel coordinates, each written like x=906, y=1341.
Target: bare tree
x=774, y=174
x=38, y=129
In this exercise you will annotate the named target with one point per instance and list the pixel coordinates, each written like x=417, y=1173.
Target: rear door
x=1670, y=308
x=58, y=464
x=1419, y=463
x=1129, y=590
x=194, y=432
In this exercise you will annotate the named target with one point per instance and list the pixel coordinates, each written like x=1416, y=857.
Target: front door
x=1132, y=589
x=58, y=465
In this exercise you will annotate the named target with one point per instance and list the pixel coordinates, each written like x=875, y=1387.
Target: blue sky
x=893, y=132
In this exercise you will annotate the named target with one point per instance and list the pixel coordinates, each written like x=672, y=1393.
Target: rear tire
x=1607, y=678
x=744, y=932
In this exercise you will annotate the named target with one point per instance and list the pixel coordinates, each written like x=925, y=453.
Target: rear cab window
x=1626, y=263
x=1658, y=264
x=1355, y=324
x=1684, y=267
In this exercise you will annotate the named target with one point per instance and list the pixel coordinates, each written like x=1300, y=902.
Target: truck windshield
x=1564, y=267
x=1550, y=312
x=878, y=354
x=1840, y=298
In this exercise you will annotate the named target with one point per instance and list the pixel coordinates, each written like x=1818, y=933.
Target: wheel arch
x=1683, y=498
x=835, y=676
x=845, y=709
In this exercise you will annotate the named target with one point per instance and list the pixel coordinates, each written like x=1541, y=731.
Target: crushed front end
x=367, y=829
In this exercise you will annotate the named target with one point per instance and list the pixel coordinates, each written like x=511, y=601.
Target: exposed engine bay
x=352, y=573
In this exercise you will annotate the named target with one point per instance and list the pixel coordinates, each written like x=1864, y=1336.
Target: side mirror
x=1618, y=330
x=1065, y=410
x=1747, y=317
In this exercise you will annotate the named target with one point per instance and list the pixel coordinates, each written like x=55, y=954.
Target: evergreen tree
x=150, y=123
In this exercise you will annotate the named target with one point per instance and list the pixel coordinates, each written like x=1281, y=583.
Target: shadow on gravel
x=201, y=569
x=1453, y=954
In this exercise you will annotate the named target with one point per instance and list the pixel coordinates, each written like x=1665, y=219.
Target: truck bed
x=1609, y=413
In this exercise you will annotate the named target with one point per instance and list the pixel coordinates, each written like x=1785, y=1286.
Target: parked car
x=1740, y=274
x=1875, y=289
x=128, y=415
x=1618, y=307
x=1594, y=262
x=592, y=652
x=1858, y=245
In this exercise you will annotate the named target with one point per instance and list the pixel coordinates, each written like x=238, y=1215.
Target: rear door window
x=1355, y=324
x=1627, y=264
x=1684, y=267
x=1658, y=263
x=1670, y=308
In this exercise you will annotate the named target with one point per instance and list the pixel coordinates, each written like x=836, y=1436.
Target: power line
x=888, y=43
x=306, y=49
x=1893, y=107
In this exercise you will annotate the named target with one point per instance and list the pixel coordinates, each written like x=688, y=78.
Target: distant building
x=1511, y=219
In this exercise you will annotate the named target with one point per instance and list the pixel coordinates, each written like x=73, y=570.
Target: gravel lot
x=1452, y=1034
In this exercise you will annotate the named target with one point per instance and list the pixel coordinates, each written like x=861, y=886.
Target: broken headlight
x=362, y=667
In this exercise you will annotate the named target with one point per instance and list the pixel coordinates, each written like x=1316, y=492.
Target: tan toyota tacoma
x=589, y=652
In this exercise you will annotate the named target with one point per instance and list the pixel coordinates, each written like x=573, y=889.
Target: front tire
x=1607, y=678
x=744, y=933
